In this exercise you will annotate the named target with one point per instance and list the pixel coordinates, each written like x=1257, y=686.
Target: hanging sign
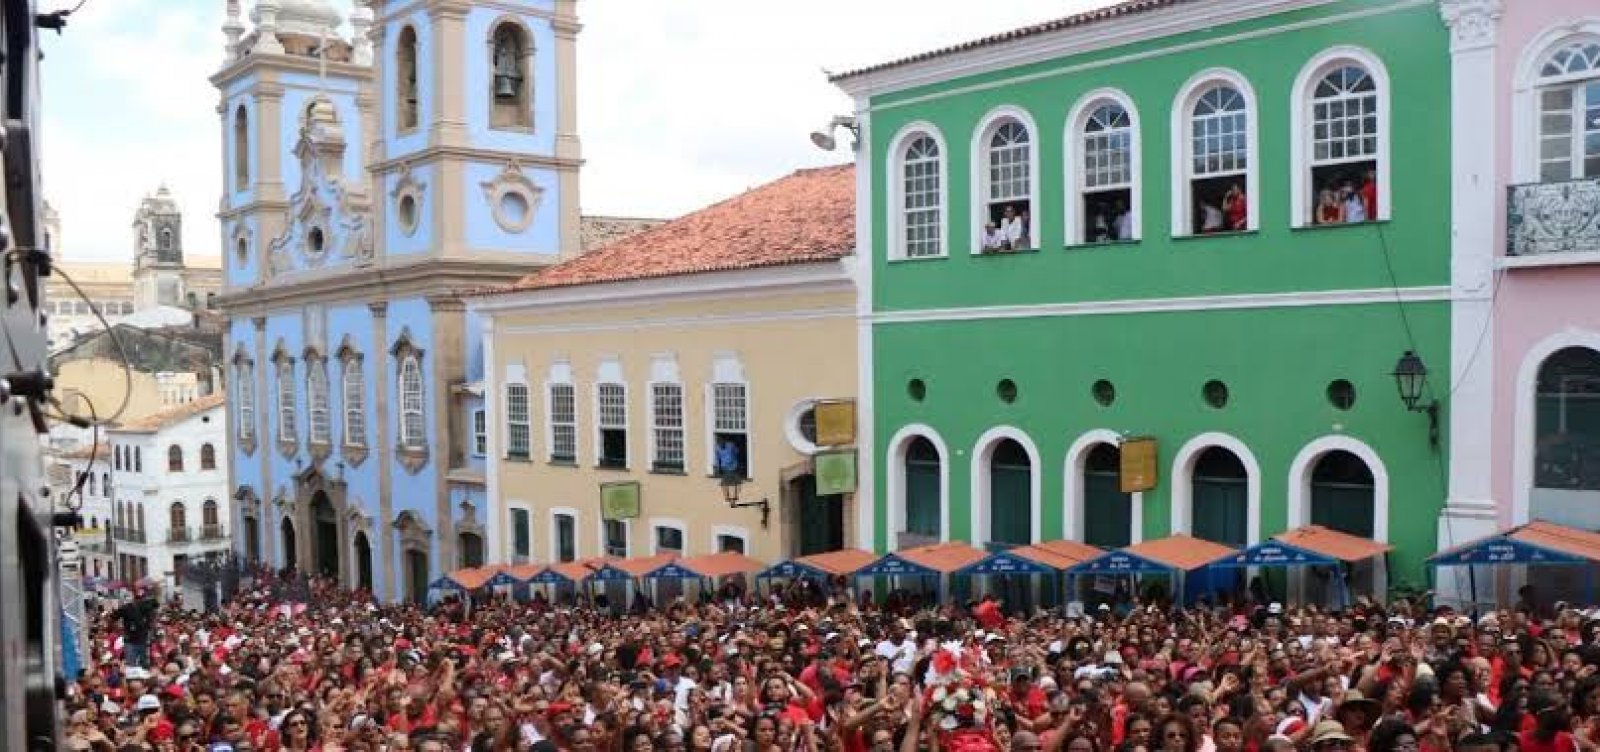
x=835, y=472
x=1138, y=471
x=619, y=500
x=836, y=422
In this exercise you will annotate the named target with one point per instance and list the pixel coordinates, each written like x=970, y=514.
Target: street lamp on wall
x=1411, y=378
x=731, y=483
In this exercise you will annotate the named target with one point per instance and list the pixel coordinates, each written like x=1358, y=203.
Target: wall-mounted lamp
x=1411, y=378
x=731, y=483
x=824, y=139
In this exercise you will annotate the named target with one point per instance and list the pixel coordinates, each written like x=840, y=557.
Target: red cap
x=174, y=690
x=402, y=644
x=672, y=659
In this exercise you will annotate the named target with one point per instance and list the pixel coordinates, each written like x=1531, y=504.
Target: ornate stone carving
x=414, y=535
x=513, y=198
x=1472, y=22
x=1554, y=218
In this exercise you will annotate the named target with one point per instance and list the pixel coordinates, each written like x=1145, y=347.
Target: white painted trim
x=1072, y=501
x=1375, y=296
x=791, y=427
x=600, y=542
x=1072, y=145
x=734, y=531
x=674, y=523
x=726, y=368
x=1524, y=431
x=978, y=166
x=982, y=452
x=1525, y=88
x=741, y=283
x=555, y=543
x=511, y=538
x=1183, y=482
x=896, y=480
x=687, y=322
x=1299, y=509
x=895, y=184
x=1300, y=204
x=1183, y=146
x=1076, y=41
x=866, y=488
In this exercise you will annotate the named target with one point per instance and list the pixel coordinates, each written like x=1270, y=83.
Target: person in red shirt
x=1028, y=701
x=987, y=613
x=1369, y=194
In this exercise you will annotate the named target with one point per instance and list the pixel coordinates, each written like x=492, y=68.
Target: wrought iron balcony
x=212, y=532
x=180, y=535
x=128, y=534
x=1553, y=218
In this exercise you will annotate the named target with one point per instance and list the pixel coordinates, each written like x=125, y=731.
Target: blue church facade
x=371, y=181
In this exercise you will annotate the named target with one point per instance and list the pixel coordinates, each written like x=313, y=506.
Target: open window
x=241, y=149
x=1008, y=177
x=1342, y=159
x=1213, y=136
x=406, y=106
x=730, y=430
x=1569, y=113
x=510, y=55
x=1104, y=184
x=612, y=410
x=917, y=211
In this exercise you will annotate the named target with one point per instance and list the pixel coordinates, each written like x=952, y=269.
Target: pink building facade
x=1524, y=410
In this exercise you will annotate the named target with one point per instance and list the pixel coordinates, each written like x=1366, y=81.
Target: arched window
x=208, y=457
x=1569, y=113
x=165, y=241
x=1213, y=141
x=178, y=521
x=355, y=401
x=1103, y=179
x=174, y=459
x=920, y=208
x=208, y=513
x=1007, y=186
x=1342, y=135
x=510, y=84
x=1220, y=495
x=406, y=79
x=1567, y=424
x=241, y=149
x=412, y=425
x=317, y=400
x=1343, y=494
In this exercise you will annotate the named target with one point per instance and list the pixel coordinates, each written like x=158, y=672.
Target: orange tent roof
x=1330, y=542
x=1561, y=538
x=1181, y=551
x=722, y=564
x=474, y=577
x=525, y=571
x=1058, y=554
x=640, y=566
x=845, y=561
x=942, y=557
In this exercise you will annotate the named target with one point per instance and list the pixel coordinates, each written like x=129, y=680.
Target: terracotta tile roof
x=942, y=557
x=805, y=217
x=1118, y=10
x=845, y=561
x=1330, y=542
x=1181, y=551
x=158, y=420
x=599, y=232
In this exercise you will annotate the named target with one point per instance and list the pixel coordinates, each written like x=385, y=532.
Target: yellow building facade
x=617, y=368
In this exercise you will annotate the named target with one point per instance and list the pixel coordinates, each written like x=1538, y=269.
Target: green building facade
x=1216, y=223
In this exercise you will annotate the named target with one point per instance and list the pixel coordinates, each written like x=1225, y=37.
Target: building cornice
x=764, y=282
x=1373, y=296
x=426, y=276
x=438, y=152
x=1472, y=23
x=269, y=63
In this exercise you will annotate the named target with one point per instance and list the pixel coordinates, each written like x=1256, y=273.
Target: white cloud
x=681, y=103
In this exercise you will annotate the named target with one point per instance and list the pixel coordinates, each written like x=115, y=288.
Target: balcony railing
x=128, y=534
x=212, y=532
x=180, y=535
x=1561, y=217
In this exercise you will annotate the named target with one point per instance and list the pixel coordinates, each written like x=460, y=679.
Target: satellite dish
x=824, y=140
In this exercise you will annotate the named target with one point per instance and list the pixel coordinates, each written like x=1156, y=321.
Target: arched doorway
x=1566, y=466
x=290, y=558
x=1220, y=494
x=1010, y=494
x=1343, y=496
x=416, y=575
x=1107, y=511
x=821, y=517
x=363, y=562
x=923, y=504
x=325, y=532
x=471, y=546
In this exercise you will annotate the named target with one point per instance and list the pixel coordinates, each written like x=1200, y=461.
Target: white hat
x=595, y=649
x=1275, y=608
x=147, y=702
x=136, y=673
x=992, y=637
x=110, y=707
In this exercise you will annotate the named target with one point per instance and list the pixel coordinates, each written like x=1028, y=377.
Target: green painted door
x=1010, y=486
x=821, y=519
x=922, y=488
x=1342, y=495
x=1221, y=498
x=1107, y=511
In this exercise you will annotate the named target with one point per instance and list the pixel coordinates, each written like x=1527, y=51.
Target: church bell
x=505, y=87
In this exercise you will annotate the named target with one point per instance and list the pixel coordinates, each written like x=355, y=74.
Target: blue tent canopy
x=549, y=576
x=1276, y=553
x=1502, y=549
x=610, y=573
x=791, y=569
x=502, y=579
x=1120, y=562
x=445, y=583
x=673, y=571
x=894, y=566
x=1005, y=562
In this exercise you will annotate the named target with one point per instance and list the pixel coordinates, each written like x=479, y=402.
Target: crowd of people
x=817, y=667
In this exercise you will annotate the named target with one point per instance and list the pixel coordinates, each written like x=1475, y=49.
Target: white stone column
x=1470, y=510
x=494, y=512
x=867, y=450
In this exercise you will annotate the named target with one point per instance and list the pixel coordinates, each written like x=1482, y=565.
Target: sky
x=680, y=102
